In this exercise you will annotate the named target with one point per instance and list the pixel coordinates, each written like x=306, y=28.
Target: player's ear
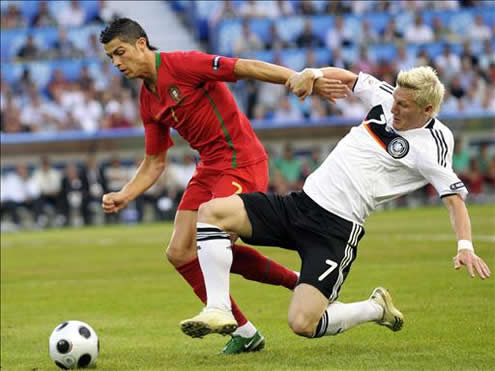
x=429, y=109
x=141, y=44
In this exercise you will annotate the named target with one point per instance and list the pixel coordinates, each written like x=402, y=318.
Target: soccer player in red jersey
x=185, y=91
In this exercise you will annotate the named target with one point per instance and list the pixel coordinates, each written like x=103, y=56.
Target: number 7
x=332, y=264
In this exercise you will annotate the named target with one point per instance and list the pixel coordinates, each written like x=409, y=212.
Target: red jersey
x=192, y=99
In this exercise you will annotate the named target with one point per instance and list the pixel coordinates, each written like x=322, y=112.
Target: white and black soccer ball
x=74, y=344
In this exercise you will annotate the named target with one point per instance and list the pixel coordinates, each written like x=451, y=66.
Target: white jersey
x=375, y=163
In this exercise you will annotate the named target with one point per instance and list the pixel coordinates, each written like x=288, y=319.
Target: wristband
x=465, y=245
x=317, y=73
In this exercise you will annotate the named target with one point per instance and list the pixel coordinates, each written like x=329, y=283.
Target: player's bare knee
x=178, y=254
x=302, y=325
x=206, y=213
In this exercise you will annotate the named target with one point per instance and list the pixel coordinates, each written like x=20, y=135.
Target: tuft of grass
x=118, y=280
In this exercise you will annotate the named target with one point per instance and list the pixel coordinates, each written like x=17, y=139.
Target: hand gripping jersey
x=375, y=163
x=192, y=99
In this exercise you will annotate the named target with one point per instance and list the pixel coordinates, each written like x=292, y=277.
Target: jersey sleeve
x=197, y=67
x=434, y=162
x=156, y=136
x=373, y=92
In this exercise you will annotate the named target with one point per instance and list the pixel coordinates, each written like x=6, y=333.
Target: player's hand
x=472, y=262
x=114, y=202
x=331, y=89
x=301, y=83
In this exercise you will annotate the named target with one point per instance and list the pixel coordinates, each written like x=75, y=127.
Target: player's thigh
x=252, y=178
x=306, y=308
x=199, y=189
x=326, y=260
x=227, y=213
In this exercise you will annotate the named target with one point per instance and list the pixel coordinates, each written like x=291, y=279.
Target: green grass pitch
x=118, y=280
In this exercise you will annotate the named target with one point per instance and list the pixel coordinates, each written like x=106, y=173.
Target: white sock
x=339, y=317
x=215, y=258
x=246, y=331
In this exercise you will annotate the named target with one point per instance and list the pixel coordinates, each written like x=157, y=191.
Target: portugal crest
x=174, y=93
x=398, y=147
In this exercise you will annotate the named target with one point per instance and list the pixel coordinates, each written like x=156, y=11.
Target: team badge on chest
x=398, y=147
x=174, y=93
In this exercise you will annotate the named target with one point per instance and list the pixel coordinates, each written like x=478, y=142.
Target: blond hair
x=427, y=87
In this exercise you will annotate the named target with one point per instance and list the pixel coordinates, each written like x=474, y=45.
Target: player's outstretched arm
x=461, y=224
x=146, y=175
x=268, y=72
x=330, y=83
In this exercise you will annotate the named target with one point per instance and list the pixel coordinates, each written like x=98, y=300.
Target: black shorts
x=326, y=243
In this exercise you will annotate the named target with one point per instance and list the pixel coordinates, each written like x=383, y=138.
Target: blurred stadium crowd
x=55, y=77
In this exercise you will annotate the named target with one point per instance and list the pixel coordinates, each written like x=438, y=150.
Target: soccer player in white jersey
x=399, y=147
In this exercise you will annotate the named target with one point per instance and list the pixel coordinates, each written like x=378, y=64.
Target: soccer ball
x=74, y=344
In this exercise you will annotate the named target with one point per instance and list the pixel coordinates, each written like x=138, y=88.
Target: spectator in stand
x=85, y=80
x=484, y=160
x=364, y=63
x=32, y=114
x=311, y=163
x=286, y=113
x=94, y=48
x=479, y=30
x=404, y=61
x=128, y=107
x=306, y=8
x=64, y=47
x=49, y=182
x=72, y=15
x=339, y=36
x=450, y=105
x=491, y=174
x=423, y=59
x=13, y=17
x=448, y=63
x=247, y=41
x=226, y=11
x=94, y=179
x=275, y=41
x=440, y=31
x=252, y=9
x=487, y=57
x=57, y=82
x=289, y=167
x=419, y=32
x=474, y=179
x=318, y=109
x=311, y=60
x=74, y=193
x=456, y=88
x=472, y=105
x=283, y=8
x=391, y=34
x=115, y=176
x=29, y=51
x=337, y=60
x=56, y=113
x=18, y=191
x=467, y=74
x=368, y=35
x=351, y=107
x=307, y=39
x=460, y=159
x=488, y=102
x=88, y=112
x=104, y=14
x=43, y=17
x=113, y=118
x=337, y=7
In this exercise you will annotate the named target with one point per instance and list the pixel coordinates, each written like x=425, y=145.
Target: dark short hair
x=126, y=30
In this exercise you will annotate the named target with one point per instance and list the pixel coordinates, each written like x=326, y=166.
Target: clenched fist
x=114, y=202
